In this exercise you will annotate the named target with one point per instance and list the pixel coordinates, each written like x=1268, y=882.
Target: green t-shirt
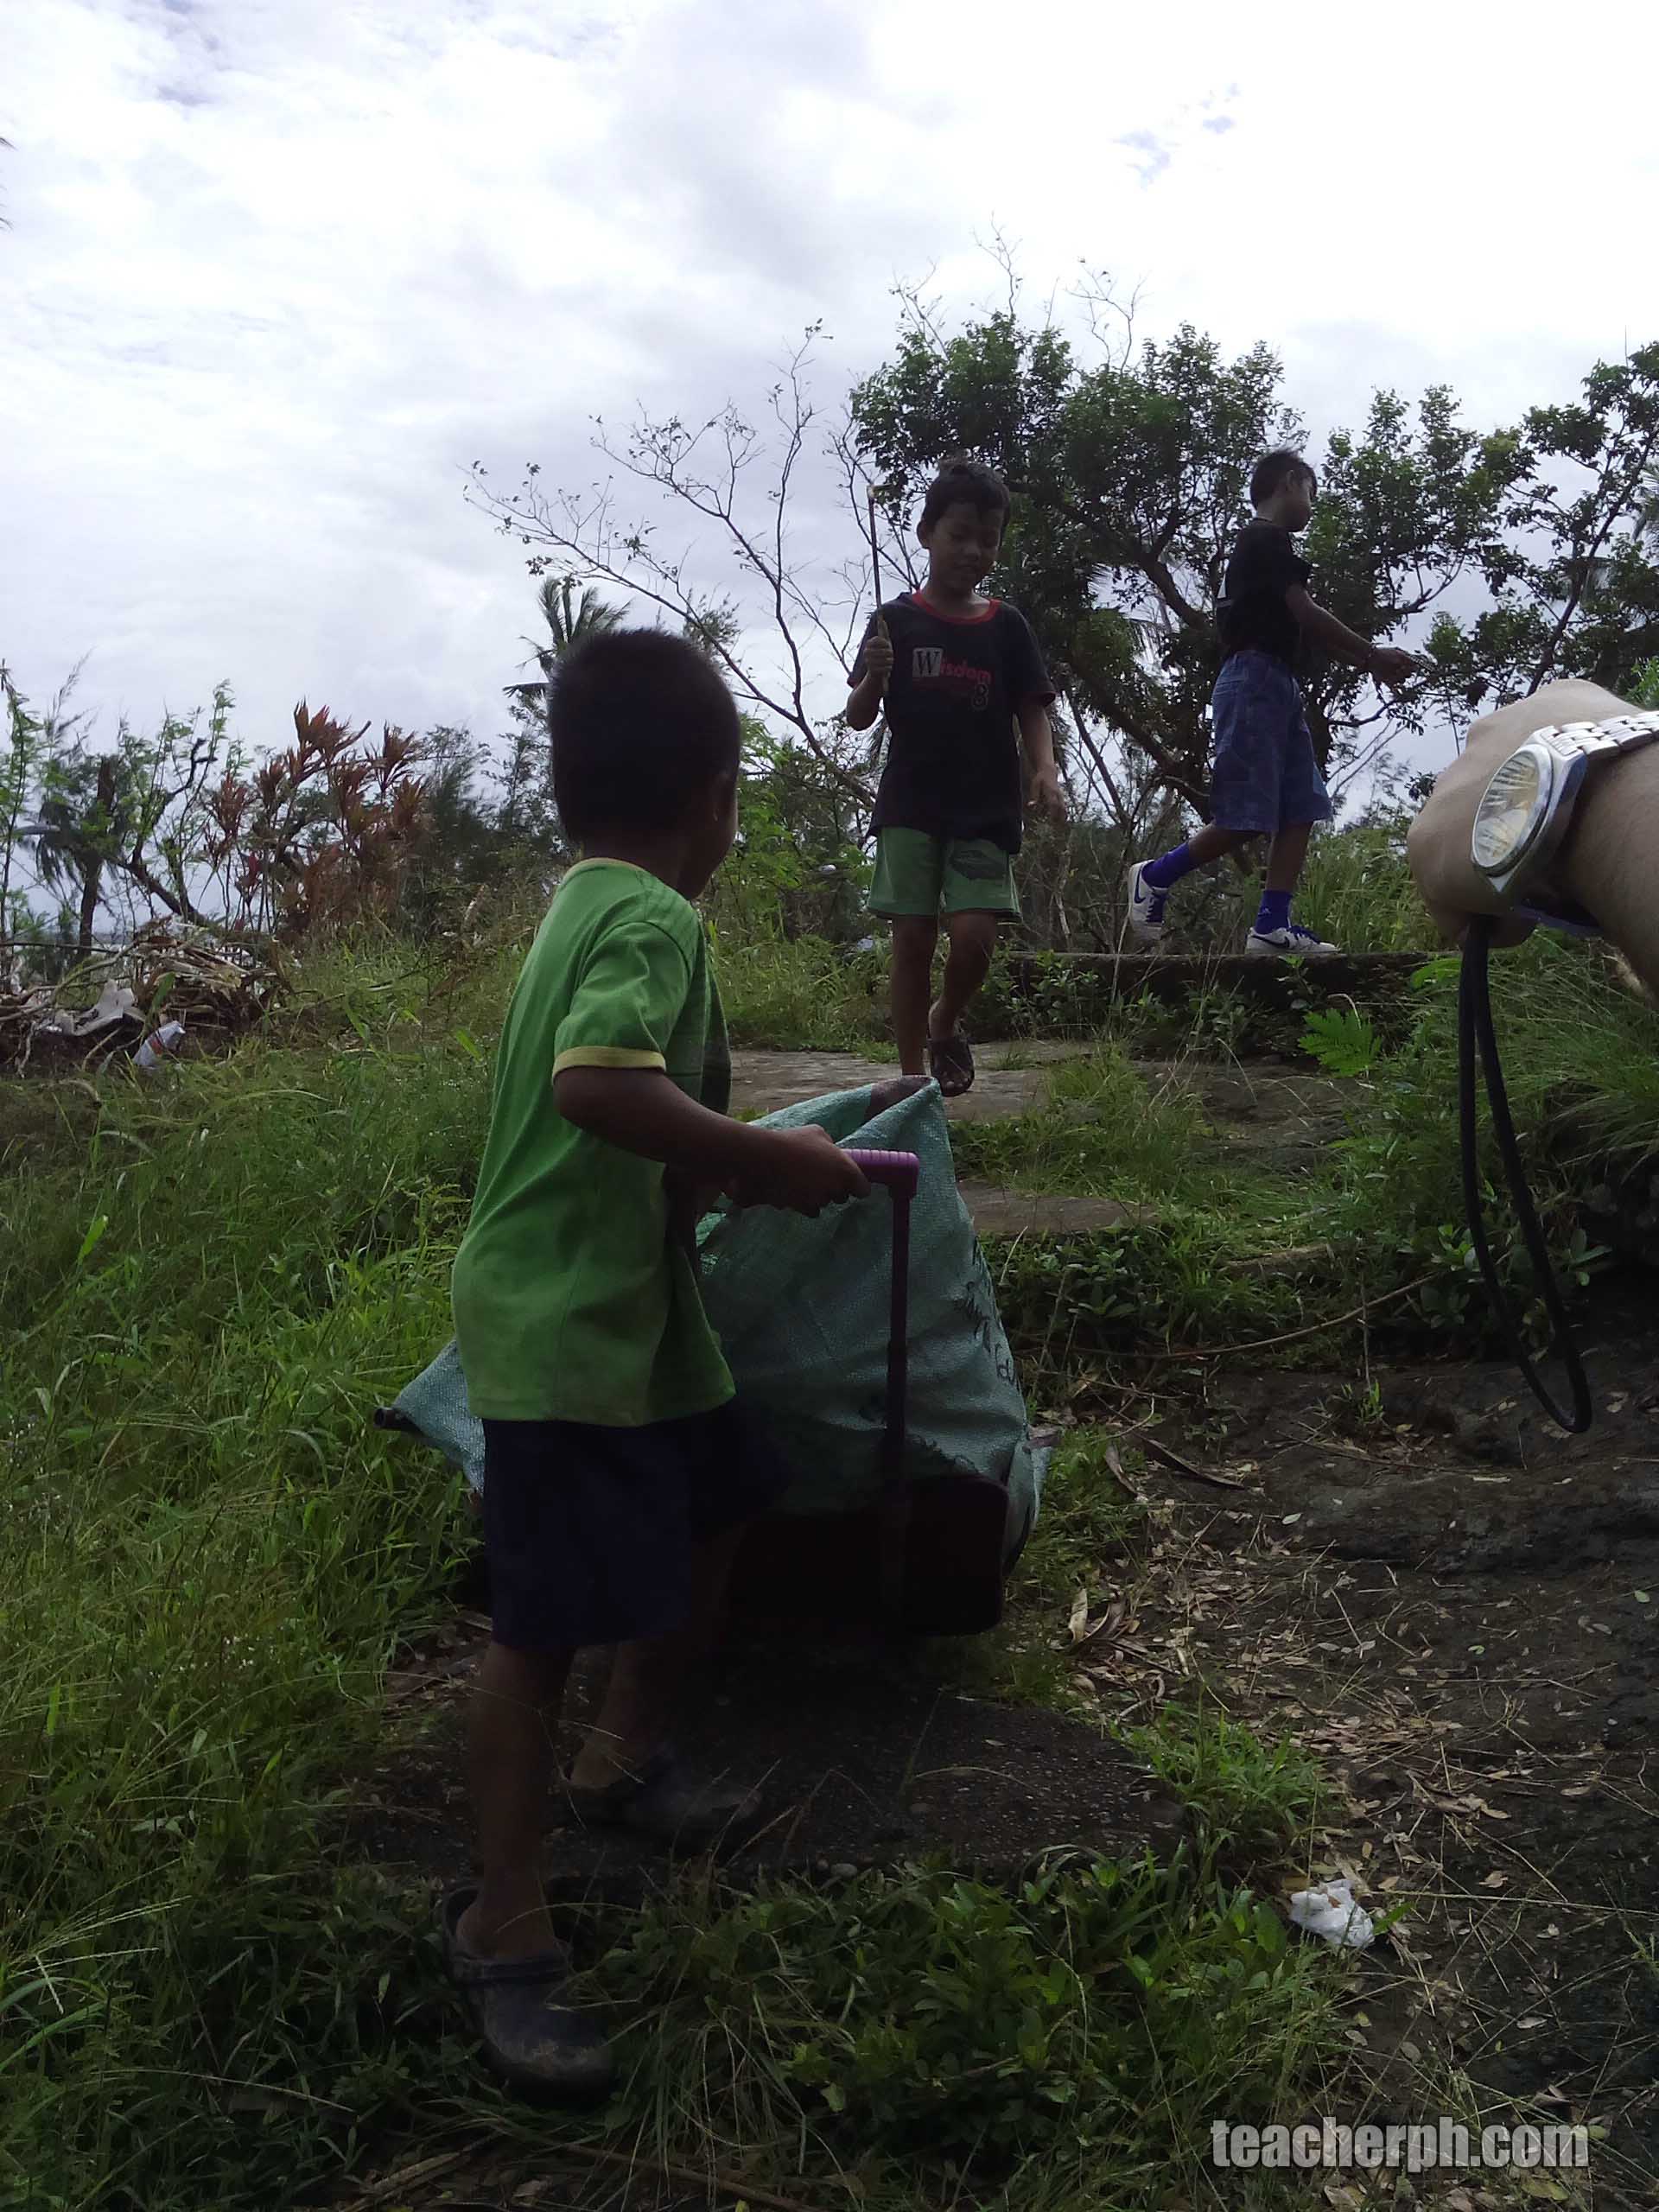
x=574, y=1299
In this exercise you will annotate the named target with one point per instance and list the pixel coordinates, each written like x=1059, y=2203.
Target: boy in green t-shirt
x=618, y=1471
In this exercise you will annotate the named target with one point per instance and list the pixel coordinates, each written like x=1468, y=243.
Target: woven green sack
x=801, y=1309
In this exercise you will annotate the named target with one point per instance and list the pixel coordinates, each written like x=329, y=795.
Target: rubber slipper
x=669, y=1806
x=528, y=2037
x=951, y=1063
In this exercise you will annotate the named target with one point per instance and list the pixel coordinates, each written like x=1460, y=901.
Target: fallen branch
x=1165, y=1458
x=397, y=2185
x=730, y=2184
x=1294, y=1336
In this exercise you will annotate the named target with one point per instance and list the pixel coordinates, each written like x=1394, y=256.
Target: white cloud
x=279, y=269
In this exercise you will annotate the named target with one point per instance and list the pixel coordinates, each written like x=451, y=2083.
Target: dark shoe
x=671, y=1807
x=531, y=2039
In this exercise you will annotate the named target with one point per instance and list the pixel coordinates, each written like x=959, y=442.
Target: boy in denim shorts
x=958, y=673
x=618, y=1471
x=1266, y=781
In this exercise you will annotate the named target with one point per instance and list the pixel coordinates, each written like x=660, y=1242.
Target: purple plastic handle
x=901, y=1172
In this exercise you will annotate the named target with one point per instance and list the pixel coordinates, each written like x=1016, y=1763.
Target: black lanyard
x=1477, y=1037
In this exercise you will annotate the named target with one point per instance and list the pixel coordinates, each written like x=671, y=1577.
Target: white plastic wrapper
x=1331, y=1913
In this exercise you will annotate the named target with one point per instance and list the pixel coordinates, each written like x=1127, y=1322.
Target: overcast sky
x=277, y=270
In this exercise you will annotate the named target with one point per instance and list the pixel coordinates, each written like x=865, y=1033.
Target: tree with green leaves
x=1503, y=555
x=1130, y=470
x=74, y=832
x=19, y=769
x=1575, y=590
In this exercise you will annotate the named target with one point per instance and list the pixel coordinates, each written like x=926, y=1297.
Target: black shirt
x=957, y=683
x=1251, y=611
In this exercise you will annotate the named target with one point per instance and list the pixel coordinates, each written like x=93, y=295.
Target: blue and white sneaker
x=1293, y=942
x=1147, y=904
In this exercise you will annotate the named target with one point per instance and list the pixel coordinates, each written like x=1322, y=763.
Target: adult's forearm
x=1610, y=863
x=1607, y=865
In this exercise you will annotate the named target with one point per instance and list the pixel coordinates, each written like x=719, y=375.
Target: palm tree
x=73, y=837
x=571, y=621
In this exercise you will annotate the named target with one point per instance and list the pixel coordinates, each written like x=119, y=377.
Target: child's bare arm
x=641, y=1111
x=1038, y=737
x=874, y=667
x=1391, y=663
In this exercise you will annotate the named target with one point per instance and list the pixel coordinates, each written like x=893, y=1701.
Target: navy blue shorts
x=590, y=1532
x=1265, y=777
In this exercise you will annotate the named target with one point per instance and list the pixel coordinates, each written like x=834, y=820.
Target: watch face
x=1513, y=809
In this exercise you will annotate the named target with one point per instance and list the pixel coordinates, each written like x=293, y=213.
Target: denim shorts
x=1265, y=777
x=590, y=1532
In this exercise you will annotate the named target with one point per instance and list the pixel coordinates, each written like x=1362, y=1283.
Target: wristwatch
x=1526, y=809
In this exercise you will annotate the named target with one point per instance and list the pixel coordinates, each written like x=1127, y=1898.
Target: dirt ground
x=1460, y=1615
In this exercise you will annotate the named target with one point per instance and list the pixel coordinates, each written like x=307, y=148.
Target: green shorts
x=918, y=874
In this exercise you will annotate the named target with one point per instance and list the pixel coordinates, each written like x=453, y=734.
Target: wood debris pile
x=170, y=973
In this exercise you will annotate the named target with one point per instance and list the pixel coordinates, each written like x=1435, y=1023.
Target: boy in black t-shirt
x=1266, y=780
x=958, y=672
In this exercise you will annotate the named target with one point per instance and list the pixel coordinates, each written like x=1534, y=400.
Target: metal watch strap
x=1597, y=740
x=1617, y=734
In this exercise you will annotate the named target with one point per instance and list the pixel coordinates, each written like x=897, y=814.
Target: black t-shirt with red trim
x=1251, y=614
x=953, y=751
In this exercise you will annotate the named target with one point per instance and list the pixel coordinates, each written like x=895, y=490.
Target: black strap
x=1475, y=1033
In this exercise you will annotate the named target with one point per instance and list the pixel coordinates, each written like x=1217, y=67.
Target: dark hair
x=641, y=724
x=1275, y=469
x=968, y=483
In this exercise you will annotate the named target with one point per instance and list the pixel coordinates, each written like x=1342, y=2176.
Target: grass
x=1378, y=1217
x=205, y=1284
x=909, y=2033
x=210, y=1555
x=1245, y=1794
x=1356, y=891
x=804, y=996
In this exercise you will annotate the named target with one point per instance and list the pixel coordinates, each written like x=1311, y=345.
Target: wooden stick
x=730, y=2184
x=422, y=2169
x=880, y=628
x=876, y=553
x=1165, y=1458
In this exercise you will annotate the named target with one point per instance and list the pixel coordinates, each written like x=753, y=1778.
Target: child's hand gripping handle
x=899, y=1171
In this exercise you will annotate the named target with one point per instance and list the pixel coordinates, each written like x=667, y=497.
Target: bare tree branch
x=667, y=457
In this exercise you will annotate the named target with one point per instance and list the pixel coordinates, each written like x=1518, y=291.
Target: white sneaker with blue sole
x=1146, y=905
x=1292, y=942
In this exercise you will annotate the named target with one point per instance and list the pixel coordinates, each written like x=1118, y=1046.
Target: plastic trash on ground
x=1331, y=1913
x=157, y=1045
